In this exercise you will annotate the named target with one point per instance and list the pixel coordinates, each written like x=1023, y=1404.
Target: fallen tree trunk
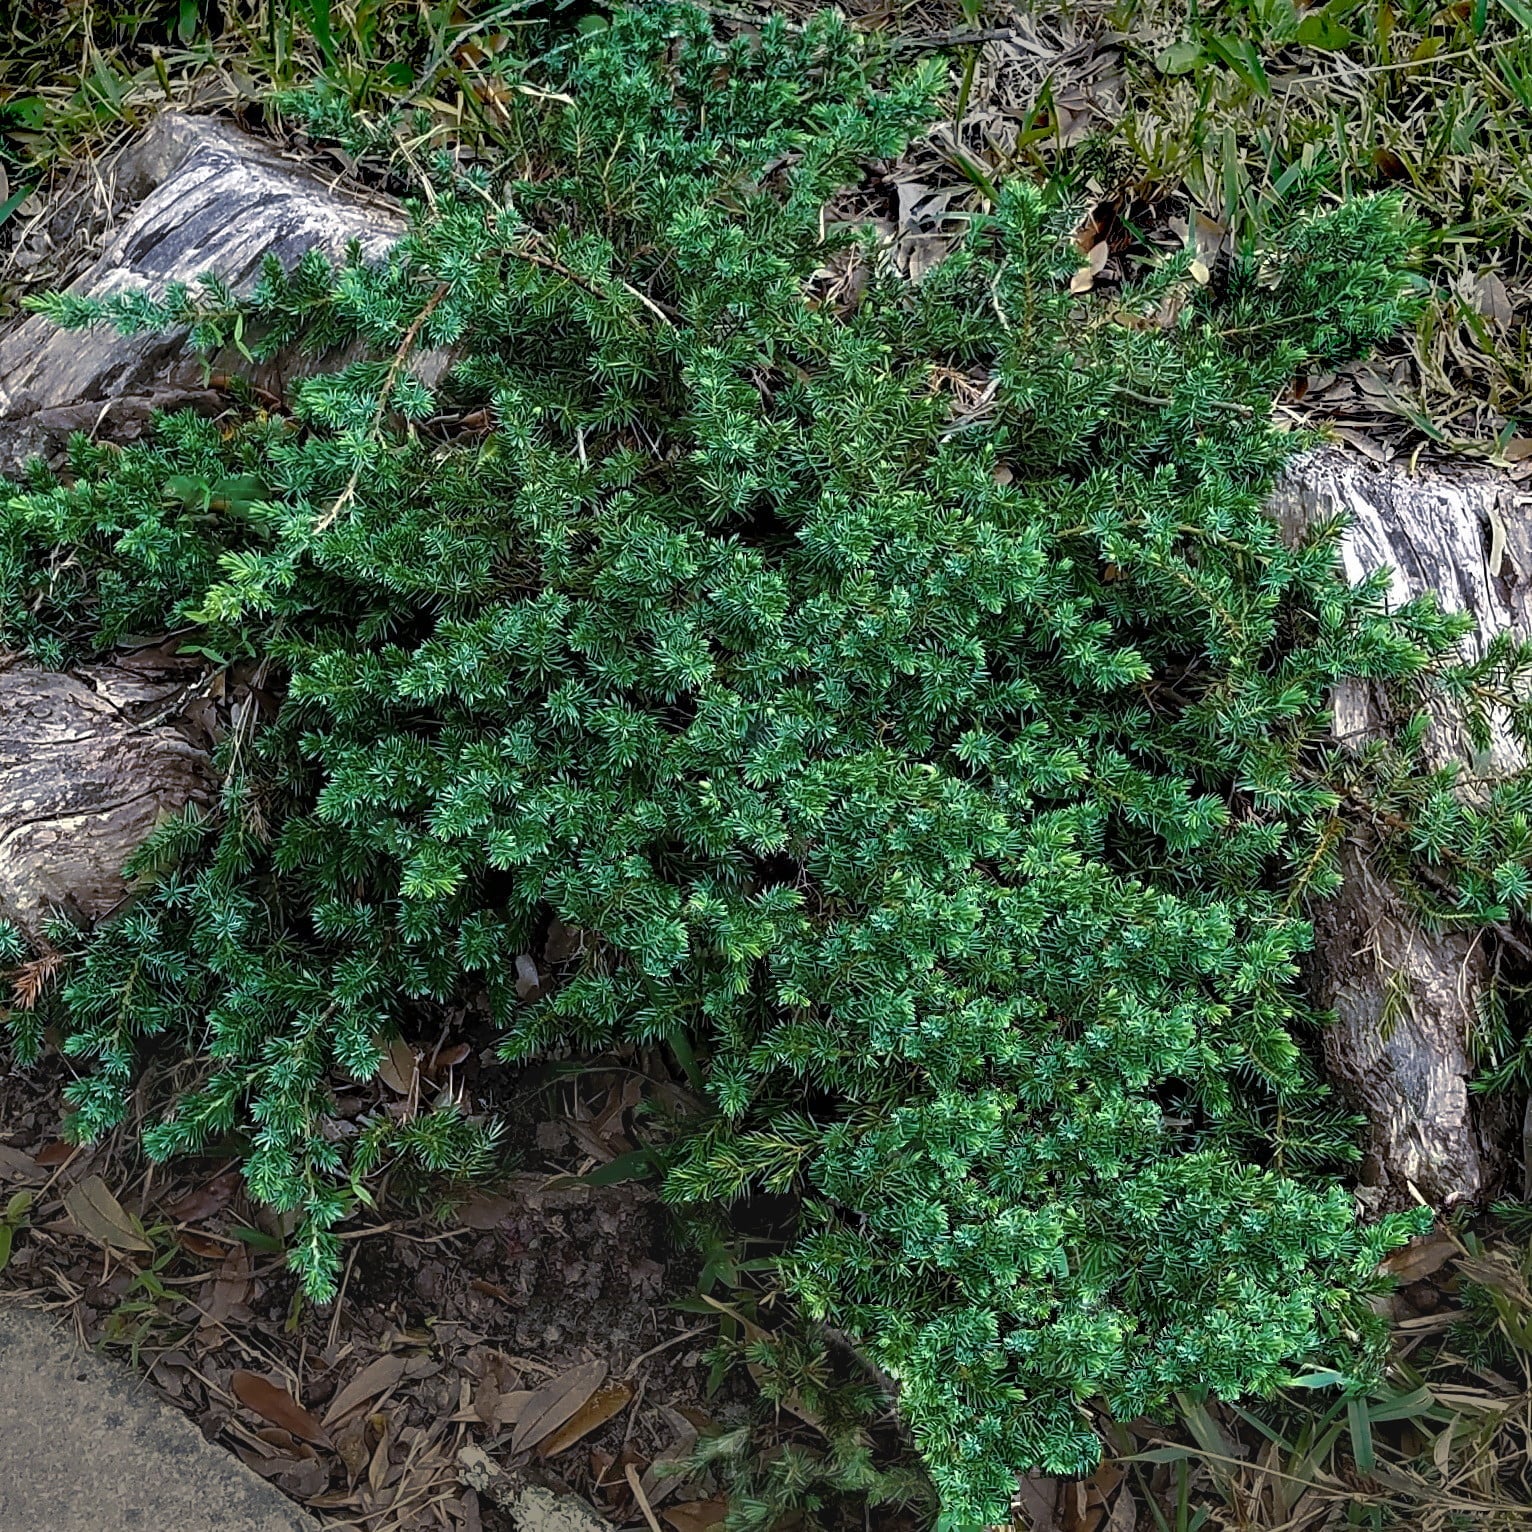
x=88, y=767
x=211, y=199
x=1404, y=999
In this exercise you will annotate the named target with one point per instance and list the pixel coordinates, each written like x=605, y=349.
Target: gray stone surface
x=86, y=1446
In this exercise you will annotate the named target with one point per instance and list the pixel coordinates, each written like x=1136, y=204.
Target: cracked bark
x=83, y=781
x=1405, y=999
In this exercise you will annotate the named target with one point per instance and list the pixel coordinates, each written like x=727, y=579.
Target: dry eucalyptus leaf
x=276, y=1405
x=18, y=1168
x=596, y=1411
x=510, y=1407
x=1488, y=294
x=1428, y=1254
x=528, y=980
x=351, y=1445
x=1201, y=274
x=397, y=1070
x=555, y=1402
x=1124, y=1517
x=205, y=1200
x=374, y=1379
x=95, y=1211
x=696, y=1515
x=1095, y=263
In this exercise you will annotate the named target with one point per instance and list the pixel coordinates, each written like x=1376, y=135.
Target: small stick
x=631, y=1474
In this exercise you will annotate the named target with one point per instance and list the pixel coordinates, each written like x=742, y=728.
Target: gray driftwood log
x=82, y=777
x=211, y=199
x=1405, y=998
x=88, y=765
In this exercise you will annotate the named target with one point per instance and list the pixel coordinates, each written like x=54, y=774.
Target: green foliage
x=830, y=1407
x=906, y=697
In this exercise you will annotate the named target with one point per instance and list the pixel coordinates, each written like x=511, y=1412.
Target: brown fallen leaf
x=481, y=1211
x=596, y=1411
x=1095, y=263
x=510, y=1407
x=351, y=1445
x=447, y=1058
x=399, y=1066
x=1420, y=1258
x=374, y=1379
x=18, y=1168
x=95, y=1211
x=205, y=1200
x=199, y=1245
x=277, y=1406
x=231, y=1287
x=556, y=1401
x=1124, y=1517
x=697, y=1515
x=56, y=1153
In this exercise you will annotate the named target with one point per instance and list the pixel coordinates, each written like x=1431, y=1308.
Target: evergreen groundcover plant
x=903, y=694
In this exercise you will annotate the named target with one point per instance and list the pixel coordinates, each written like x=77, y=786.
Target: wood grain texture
x=1404, y=998
x=212, y=199
x=83, y=778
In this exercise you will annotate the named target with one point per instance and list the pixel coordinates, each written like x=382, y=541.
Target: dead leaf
x=1488, y=295
x=374, y=1379
x=448, y=1058
x=1418, y=1259
x=276, y=1405
x=596, y=1411
x=19, y=1168
x=56, y=1153
x=231, y=1286
x=481, y=1211
x=1201, y=274
x=509, y=1408
x=1124, y=1517
x=1038, y=1503
x=205, y=1200
x=196, y=1244
x=556, y=1401
x=302, y=1478
x=697, y=1515
x=30, y=981
x=399, y=1067
x=351, y=1446
x=528, y=980
x=1095, y=262
x=95, y=1211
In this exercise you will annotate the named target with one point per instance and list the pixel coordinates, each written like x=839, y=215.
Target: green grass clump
x=906, y=699
x=1239, y=107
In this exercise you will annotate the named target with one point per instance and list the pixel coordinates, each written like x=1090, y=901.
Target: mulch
x=521, y=1335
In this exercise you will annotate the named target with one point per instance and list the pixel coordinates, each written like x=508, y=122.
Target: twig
x=631, y=1474
x=549, y=264
x=675, y=1340
x=389, y=383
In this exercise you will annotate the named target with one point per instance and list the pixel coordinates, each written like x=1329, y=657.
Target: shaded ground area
x=518, y=1337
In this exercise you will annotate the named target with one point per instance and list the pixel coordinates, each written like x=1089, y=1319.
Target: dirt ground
x=522, y=1336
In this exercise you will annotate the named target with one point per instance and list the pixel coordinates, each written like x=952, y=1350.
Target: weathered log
x=87, y=768
x=214, y=200
x=1405, y=998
